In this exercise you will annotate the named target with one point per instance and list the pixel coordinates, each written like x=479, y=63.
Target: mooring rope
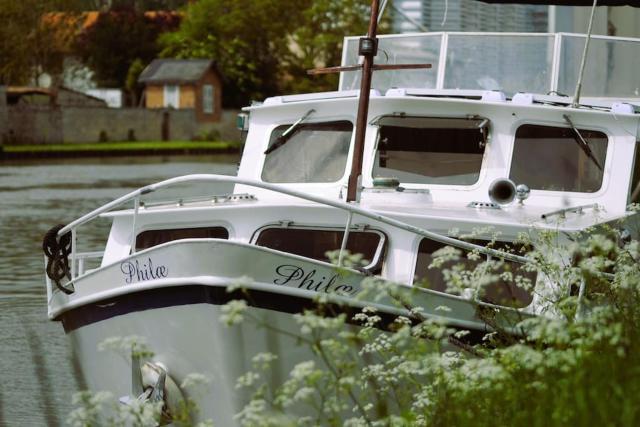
x=57, y=250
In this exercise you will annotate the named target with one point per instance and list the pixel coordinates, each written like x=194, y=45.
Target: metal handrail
x=352, y=208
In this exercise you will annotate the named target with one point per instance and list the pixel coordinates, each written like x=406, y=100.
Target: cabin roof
x=175, y=71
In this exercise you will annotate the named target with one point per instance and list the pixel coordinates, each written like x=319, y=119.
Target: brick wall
x=48, y=125
x=4, y=119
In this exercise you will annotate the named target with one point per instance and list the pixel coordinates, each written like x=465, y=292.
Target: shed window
x=315, y=243
x=499, y=292
x=428, y=150
x=171, y=96
x=313, y=152
x=554, y=158
x=207, y=99
x=151, y=238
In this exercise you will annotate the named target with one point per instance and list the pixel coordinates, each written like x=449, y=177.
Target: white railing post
x=136, y=207
x=555, y=63
x=442, y=63
x=345, y=237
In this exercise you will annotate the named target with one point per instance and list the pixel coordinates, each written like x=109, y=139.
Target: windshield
x=427, y=150
x=313, y=152
x=556, y=158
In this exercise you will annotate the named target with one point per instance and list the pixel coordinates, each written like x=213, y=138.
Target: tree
x=118, y=38
x=28, y=46
x=264, y=47
x=318, y=43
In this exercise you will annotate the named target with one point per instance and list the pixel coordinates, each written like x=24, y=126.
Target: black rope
x=57, y=250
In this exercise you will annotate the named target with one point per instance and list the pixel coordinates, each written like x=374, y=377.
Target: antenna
x=576, y=96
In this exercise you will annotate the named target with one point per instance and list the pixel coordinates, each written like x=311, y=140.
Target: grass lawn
x=122, y=146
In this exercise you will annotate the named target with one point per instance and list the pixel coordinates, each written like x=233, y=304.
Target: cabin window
x=555, y=159
x=428, y=150
x=315, y=243
x=499, y=292
x=312, y=152
x=150, y=238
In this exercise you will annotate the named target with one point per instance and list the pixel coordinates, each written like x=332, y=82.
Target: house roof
x=175, y=70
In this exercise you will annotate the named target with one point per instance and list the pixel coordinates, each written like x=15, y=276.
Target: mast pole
x=368, y=48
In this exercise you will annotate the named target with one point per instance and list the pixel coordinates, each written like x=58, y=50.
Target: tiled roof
x=175, y=70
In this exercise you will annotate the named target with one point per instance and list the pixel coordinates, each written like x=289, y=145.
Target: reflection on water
x=36, y=363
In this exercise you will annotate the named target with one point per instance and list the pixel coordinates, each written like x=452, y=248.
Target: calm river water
x=37, y=376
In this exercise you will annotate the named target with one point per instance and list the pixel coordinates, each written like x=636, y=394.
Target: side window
x=555, y=158
x=501, y=292
x=313, y=152
x=314, y=243
x=150, y=238
x=428, y=150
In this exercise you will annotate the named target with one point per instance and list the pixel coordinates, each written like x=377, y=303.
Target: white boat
x=442, y=151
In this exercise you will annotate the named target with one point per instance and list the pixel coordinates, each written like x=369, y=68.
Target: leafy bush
x=578, y=363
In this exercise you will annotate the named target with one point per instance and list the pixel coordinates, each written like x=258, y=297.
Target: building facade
x=184, y=84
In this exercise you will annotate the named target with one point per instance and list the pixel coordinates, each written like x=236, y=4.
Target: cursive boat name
x=293, y=275
x=134, y=271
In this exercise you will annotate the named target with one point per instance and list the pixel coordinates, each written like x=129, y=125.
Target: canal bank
x=117, y=149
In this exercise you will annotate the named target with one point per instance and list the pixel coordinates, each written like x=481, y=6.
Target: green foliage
x=28, y=46
x=117, y=39
x=133, y=87
x=263, y=47
x=578, y=364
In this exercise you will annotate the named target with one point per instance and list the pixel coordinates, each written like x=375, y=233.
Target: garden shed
x=184, y=84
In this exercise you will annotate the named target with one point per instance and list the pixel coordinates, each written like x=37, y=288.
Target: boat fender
x=57, y=250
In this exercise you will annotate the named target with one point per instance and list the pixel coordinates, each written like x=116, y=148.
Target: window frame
x=556, y=124
x=483, y=163
x=165, y=101
x=378, y=258
x=273, y=127
x=167, y=227
x=415, y=247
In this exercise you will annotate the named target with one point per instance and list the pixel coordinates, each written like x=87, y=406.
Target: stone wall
x=34, y=124
x=123, y=124
x=29, y=124
x=4, y=119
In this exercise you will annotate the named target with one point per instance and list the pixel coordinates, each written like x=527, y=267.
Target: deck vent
x=483, y=205
x=521, y=98
x=622, y=108
x=494, y=96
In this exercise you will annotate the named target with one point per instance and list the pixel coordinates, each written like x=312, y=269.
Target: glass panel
x=493, y=62
x=430, y=150
x=171, y=96
x=611, y=69
x=499, y=292
x=552, y=158
x=207, y=99
x=315, y=244
x=315, y=152
x=150, y=238
x=421, y=49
